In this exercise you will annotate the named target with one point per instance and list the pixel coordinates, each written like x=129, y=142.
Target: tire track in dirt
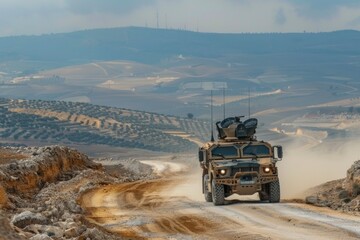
x=291, y=221
x=149, y=210
x=139, y=211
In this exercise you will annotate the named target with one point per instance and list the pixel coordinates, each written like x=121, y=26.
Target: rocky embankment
x=343, y=194
x=39, y=188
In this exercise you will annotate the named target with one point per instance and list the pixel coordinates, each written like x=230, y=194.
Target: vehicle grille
x=244, y=169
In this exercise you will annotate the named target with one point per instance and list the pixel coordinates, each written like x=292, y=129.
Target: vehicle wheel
x=274, y=192
x=218, y=193
x=207, y=194
x=264, y=193
x=263, y=196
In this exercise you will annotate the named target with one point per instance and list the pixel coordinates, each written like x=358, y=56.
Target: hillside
x=44, y=122
x=137, y=101
x=158, y=70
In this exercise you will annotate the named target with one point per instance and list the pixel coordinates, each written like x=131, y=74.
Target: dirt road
x=172, y=207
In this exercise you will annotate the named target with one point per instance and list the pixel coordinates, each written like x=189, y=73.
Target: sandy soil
x=7, y=156
x=172, y=207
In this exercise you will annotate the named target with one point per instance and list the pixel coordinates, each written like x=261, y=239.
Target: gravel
x=39, y=193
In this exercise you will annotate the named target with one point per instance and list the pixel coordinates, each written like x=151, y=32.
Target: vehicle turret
x=233, y=128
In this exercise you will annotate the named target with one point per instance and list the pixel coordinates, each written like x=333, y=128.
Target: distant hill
x=56, y=122
x=153, y=45
x=151, y=69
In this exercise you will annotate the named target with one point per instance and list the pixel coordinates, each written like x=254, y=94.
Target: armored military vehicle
x=238, y=163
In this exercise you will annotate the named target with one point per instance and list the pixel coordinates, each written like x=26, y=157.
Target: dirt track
x=171, y=208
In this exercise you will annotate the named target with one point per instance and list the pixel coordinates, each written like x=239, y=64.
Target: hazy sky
x=19, y=17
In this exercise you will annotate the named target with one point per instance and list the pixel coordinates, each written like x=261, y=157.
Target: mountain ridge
x=151, y=45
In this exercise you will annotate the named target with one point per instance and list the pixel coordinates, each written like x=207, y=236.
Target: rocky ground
x=39, y=188
x=342, y=194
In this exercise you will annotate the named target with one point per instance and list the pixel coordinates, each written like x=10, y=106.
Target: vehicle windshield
x=225, y=151
x=256, y=150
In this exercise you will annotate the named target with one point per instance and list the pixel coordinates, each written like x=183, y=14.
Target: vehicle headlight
x=223, y=171
x=267, y=170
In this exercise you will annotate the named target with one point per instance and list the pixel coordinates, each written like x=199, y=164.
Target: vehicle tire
x=218, y=193
x=274, y=192
x=264, y=193
x=207, y=194
x=263, y=196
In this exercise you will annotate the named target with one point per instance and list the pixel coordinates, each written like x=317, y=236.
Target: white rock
x=27, y=218
x=51, y=231
x=40, y=237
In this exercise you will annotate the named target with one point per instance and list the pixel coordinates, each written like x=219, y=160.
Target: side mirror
x=278, y=152
x=201, y=156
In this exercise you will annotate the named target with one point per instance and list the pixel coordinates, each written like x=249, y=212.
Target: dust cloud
x=189, y=184
x=184, y=170
x=303, y=168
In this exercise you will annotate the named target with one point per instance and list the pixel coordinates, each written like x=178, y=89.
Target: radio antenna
x=249, y=101
x=211, y=108
x=224, y=101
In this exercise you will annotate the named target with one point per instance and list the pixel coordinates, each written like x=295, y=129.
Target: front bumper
x=247, y=183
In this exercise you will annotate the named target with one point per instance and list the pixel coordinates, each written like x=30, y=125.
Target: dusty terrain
x=58, y=193
x=172, y=207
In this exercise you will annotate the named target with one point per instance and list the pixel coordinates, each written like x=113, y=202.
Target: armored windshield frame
x=225, y=154
x=256, y=153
